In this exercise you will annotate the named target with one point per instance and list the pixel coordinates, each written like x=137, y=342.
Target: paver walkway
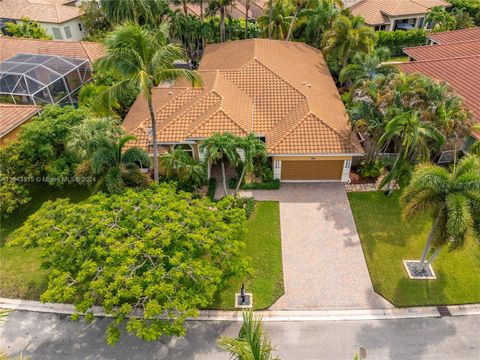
x=323, y=262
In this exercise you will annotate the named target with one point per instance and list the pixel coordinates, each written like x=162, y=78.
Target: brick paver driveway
x=323, y=262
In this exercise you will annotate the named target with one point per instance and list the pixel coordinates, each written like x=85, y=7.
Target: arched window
x=185, y=147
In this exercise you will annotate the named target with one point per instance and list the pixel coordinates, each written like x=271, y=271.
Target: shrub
x=266, y=185
x=398, y=39
x=12, y=196
x=212, y=187
x=247, y=203
x=370, y=169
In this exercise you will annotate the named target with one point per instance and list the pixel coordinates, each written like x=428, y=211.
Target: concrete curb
x=268, y=315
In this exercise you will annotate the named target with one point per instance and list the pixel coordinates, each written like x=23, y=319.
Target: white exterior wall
x=347, y=164
x=76, y=33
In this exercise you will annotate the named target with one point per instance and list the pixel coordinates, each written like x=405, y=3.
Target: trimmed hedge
x=270, y=185
x=398, y=39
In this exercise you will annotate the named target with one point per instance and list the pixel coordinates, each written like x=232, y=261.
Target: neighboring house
x=12, y=117
x=42, y=72
x=236, y=10
x=457, y=63
x=60, y=18
x=281, y=91
x=392, y=15
x=454, y=36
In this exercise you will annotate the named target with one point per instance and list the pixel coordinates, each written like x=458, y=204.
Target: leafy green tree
x=276, y=19
x=252, y=342
x=299, y=6
x=218, y=148
x=149, y=258
x=472, y=7
x=463, y=19
x=119, y=11
x=319, y=17
x=12, y=196
x=94, y=20
x=366, y=66
x=439, y=19
x=347, y=37
x=221, y=5
x=27, y=28
x=40, y=148
x=141, y=58
x=253, y=149
x=453, y=200
x=118, y=167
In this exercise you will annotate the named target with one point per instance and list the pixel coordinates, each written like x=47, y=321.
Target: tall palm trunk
x=240, y=179
x=247, y=8
x=422, y=263
x=270, y=16
x=224, y=178
x=292, y=24
x=154, y=135
x=222, y=23
x=185, y=7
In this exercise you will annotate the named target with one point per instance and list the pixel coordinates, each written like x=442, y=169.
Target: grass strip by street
x=264, y=247
x=387, y=241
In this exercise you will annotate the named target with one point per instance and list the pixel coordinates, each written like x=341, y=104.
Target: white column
x=346, y=171
x=277, y=169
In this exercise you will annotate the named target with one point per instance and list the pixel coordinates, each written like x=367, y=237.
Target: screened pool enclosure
x=42, y=79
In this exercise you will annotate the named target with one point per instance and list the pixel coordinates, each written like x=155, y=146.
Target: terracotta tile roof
x=12, y=116
x=10, y=47
x=376, y=12
x=455, y=36
x=447, y=51
x=49, y=11
x=461, y=73
x=277, y=89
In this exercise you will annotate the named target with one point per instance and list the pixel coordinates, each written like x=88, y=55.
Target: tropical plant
x=94, y=20
x=218, y=148
x=276, y=19
x=220, y=5
x=463, y=19
x=12, y=196
x=365, y=66
x=319, y=16
x=371, y=169
x=413, y=137
x=117, y=167
x=452, y=198
x=253, y=148
x=142, y=59
x=439, y=19
x=472, y=7
x=247, y=9
x=181, y=164
x=347, y=37
x=299, y=6
x=27, y=29
x=119, y=11
x=149, y=258
x=252, y=342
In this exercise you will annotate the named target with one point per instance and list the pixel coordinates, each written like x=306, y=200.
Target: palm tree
x=453, y=200
x=127, y=10
x=277, y=22
x=251, y=343
x=118, y=167
x=439, y=19
x=299, y=6
x=253, y=148
x=319, y=16
x=142, y=59
x=366, y=66
x=219, y=147
x=347, y=37
x=221, y=6
x=247, y=9
x=414, y=136
x=184, y=166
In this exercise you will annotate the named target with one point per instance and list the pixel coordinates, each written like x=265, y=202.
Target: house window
x=185, y=147
x=80, y=27
x=469, y=141
x=421, y=22
x=57, y=34
x=68, y=32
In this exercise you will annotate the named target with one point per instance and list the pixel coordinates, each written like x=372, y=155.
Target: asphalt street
x=48, y=336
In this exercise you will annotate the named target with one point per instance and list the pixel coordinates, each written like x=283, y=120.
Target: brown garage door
x=312, y=170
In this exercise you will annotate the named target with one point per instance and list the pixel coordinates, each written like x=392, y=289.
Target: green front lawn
x=387, y=240
x=264, y=247
x=21, y=275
